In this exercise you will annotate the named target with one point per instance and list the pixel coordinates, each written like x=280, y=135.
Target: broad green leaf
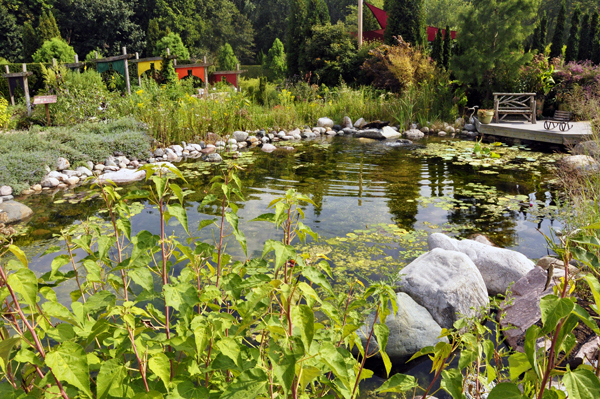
x=506, y=390
x=149, y=395
x=309, y=373
x=59, y=311
x=382, y=332
x=531, y=336
x=94, y=271
x=230, y=348
x=553, y=310
x=207, y=222
x=177, y=295
x=99, y=301
x=265, y=217
x=233, y=220
x=317, y=277
x=110, y=379
x=61, y=333
x=57, y=263
x=6, y=347
x=467, y=357
x=282, y=252
x=304, y=318
x=335, y=361
x=207, y=200
x=518, y=364
x=19, y=254
x=187, y=390
x=582, y=384
x=142, y=277
x=248, y=385
x=309, y=292
x=24, y=282
x=68, y=362
x=179, y=212
x=283, y=362
x=398, y=383
x=104, y=245
x=159, y=364
x=452, y=382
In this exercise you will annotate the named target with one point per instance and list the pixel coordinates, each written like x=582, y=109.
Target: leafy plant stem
x=221, y=233
x=140, y=363
x=364, y=359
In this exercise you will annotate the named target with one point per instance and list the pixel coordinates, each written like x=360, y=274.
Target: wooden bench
x=560, y=119
x=522, y=104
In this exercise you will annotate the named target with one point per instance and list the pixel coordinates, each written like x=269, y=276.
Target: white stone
x=72, y=180
x=389, y=132
x=50, y=182
x=346, y=122
x=411, y=329
x=360, y=123
x=178, y=149
x=447, y=284
x=268, y=148
x=62, y=164
x=99, y=167
x=414, y=134
x=442, y=133
x=240, y=136
x=232, y=141
x=6, y=190
x=325, y=122
x=122, y=176
x=499, y=267
x=582, y=163
x=36, y=187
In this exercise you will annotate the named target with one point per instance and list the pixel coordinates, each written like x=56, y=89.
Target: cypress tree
x=30, y=42
x=447, y=48
x=167, y=71
x=584, y=39
x=153, y=35
x=593, y=42
x=573, y=41
x=559, y=33
x=543, y=31
x=226, y=59
x=535, y=40
x=295, y=34
x=47, y=28
x=405, y=18
x=437, y=51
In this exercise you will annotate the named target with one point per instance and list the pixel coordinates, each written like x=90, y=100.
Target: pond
x=375, y=205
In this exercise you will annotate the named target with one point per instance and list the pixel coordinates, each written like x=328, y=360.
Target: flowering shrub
x=572, y=74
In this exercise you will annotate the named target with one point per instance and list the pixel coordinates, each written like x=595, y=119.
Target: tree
x=573, y=41
x=535, y=40
x=11, y=46
x=543, y=32
x=437, y=53
x=584, y=39
x=167, y=73
x=559, y=33
x=226, y=60
x=30, y=42
x=275, y=60
x=153, y=36
x=55, y=48
x=593, y=41
x=492, y=35
x=269, y=22
x=447, y=48
x=173, y=42
x=47, y=28
x=295, y=33
x=405, y=18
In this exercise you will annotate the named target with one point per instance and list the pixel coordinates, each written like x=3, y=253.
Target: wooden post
x=533, y=110
x=205, y=78
x=127, y=72
x=237, y=77
x=26, y=90
x=77, y=62
x=53, y=62
x=496, y=105
x=360, y=22
x=96, y=54
x=137, y=57
x=12, y=96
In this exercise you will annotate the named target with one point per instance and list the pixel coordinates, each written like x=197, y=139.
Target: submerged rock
x=499, y=267
x=411, y=329
x=447, y=284
x=400, y=143
x=268, y=148
x=13, y=212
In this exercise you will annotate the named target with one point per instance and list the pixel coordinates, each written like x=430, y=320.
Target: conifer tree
x=559, y=33
x=226, y=59
x=405, y=18
x=535, y=40
x=593, y=42
x=584, y=39
x=47, y=28
x=294, y=38
x=543, y=31
x=153, y=35
x=317, y=14
x=447, y=53
x=437, y=51
x=30, y=42
x=275, y=59
x=573, y=41
x=167, y=71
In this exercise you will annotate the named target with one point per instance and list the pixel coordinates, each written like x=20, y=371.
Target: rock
x=177, y=149
x=499, y=267
x=451, y=130
x=110, y=161
x=389, y=132
x=330, y=132
x=36, y=187
x=6, y=190
x=57, y=175
x=325, y=122
x=241, y=144
x=360, y=123
x=50, y=182
x=208, y=150
x=232, y=141
x=557, y=264
x=214, y=157
x=268, y=148
x=72, y=180
x=337, y=127
x=6, y=198
x=376, y=125
x=240, y=136
x=62, y=185
x=62, y=164
x=124, y=160
x=586, y=352
x=590, y=148
x=371, y=134
x=580, y=163
x=442, y=133
x=171, y=155
x=414, y=134
x=13, y=212
x=220, y=143
x=27, y=192
x=399, y=143
x=483, y=239
x=232, y=147
x=122, y=165
x=307, y=134
x=521, y=309
x=411, y=329
x=252, y=139
x=470, y=127
x=90, y=165
x=366, y=140
x=346, y=123
x=447, y=284
x=99, y=167
x=83, y=171
x=347, y=130
x=122, y=176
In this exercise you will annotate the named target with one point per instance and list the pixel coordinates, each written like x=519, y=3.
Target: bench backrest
x=562, y=115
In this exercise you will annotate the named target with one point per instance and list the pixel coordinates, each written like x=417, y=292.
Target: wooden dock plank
x=580, y=131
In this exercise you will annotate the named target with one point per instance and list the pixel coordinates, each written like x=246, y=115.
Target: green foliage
x=30, y=42
x=573, y=42
x=405, y=19
x=226, y=60
x=595, y=37
x=269, y=20
x=440, y=13
x=167, y=74
x=55, y=48
x=559, y=33
x=47, y=28
x=173, y=42
x=447, y=48
x=92, y=54
x=437, y=49
x=153, y=36
x=4, y=113
x=491, y=37
x=295, y=32
x=11, y=47
x=543, y=33
x=584, y=39
x=275, y=60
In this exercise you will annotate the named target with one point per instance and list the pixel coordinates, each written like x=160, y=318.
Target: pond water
x=375, y=205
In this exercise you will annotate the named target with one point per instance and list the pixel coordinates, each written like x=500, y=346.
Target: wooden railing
x=514, y=104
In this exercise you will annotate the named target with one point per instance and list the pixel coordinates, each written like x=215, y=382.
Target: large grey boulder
x=123, y=176
x=447, y=284
x=378, y=134
x=580, y=163
x=587, y=148
x=346, y=122
x=325, y=122
x=13, y=212
x=360, y=123
x=411, y=329
x=499, y=267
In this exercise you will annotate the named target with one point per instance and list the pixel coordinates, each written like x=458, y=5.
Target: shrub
x=4, y=113
x=55, y=48
x=275, y=60
x=173, y=42
x=226, y=59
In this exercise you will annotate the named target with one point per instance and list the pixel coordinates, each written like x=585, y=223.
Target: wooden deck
x=580, y=131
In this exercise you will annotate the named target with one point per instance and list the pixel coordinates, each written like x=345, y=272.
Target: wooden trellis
x=522, y=104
